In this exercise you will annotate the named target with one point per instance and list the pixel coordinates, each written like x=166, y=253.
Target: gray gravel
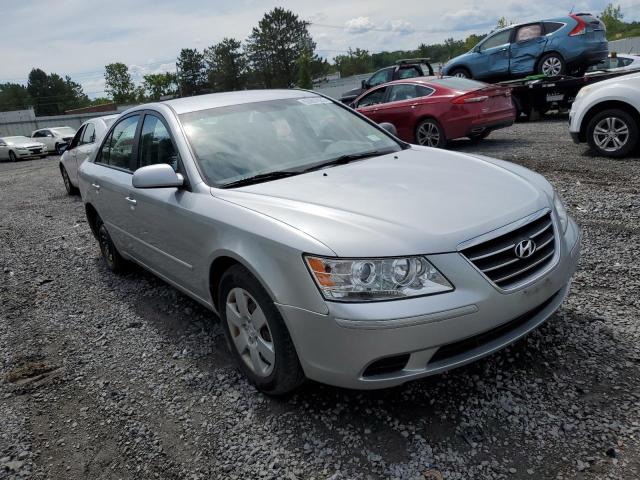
x=125, y=377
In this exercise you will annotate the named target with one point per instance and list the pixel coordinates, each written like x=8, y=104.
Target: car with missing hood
x=330, y=249
x=21, y=148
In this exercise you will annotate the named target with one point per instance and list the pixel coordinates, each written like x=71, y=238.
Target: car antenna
x=571, y=11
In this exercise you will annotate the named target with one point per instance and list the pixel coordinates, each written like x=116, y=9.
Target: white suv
x=607, y=116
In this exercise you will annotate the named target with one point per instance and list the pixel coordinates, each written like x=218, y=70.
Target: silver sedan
x=330, y=249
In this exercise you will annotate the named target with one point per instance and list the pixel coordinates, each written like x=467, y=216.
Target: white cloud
x=359, y=25
x=400, y=26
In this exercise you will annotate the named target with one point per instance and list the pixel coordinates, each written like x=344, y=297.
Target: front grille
x=35, y=150
x=496, y=258
x=452, y=350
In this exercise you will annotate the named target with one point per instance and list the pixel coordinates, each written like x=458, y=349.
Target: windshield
x=65, y=131
x=242, y=141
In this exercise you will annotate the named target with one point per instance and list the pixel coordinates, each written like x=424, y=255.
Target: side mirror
x=365, y=85
x=157, y=176
x=63, y=148
x=389, y=127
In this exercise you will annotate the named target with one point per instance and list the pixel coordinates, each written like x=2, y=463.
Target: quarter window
x=155, y=144
x=373, y=98
x=550, y=27
x=89, y=135
x=117, y=150
x=501, y=38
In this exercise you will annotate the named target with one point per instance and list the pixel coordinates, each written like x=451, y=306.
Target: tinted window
x=38, y=135
x=528, y=32
x=461, y=84
x=497, y=40
x=410, y=72
x=89, y=135
x=117, y=149
x=550, y=27
x=373, y=98
x=407, y=92
x=381, y=76
x=155, y=144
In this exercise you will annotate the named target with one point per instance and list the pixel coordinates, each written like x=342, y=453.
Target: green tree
x=275, y=45
x=191, y=72
x=158, y=85
x=53, y=95
x=472, y=40
x=14, y=96
x=118, y=83
x=304, y=71
x=354, y=62
x=226, y=65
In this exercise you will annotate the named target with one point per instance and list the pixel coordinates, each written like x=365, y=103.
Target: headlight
x=561, y=211
x=360, y=280
x=22, y=149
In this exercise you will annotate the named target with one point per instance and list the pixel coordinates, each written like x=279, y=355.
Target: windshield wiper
x=344, y=159
x=262, y=177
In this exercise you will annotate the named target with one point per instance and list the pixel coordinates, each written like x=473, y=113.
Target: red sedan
x=430, y=111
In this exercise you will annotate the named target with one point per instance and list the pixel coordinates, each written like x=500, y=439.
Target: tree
x=14, y=96
x=52, y=94
x=158, y=85
x=226, y=65
x=355, y=62
x=275, y=45
x=192, y=72
x=304, y=71
x=118, y=83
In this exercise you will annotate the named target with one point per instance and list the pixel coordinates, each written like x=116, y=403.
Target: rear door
x=526, y=48
x=404, y=101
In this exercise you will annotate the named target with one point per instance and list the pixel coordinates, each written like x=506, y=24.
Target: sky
x=78, y=37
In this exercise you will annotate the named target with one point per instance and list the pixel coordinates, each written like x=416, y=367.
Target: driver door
x=494, y=55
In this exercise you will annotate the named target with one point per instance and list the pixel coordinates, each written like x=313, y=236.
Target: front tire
x=429, y=133
x=460, y=73
x=256, y=334
x=12, y=157
x=613, y=133
x=115, y=262
x=58, y=149
x=552, y=65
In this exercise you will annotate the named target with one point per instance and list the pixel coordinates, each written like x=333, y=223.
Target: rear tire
x=476, y=138
x=12, y=157
x=115, y=262
x=552, y=65
x=429, y=133
x=613, y=133
x=460, y=73
x=256, y=334
x=71, y=190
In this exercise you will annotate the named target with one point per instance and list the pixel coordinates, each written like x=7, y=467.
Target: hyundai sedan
x=330, y=249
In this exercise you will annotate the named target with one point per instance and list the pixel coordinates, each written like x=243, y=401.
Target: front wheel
x=12, y=157
x=59, y=149
x=552, y=65
x=429, y=133
x=613, y=133
x=257, y=335
x=460, y=73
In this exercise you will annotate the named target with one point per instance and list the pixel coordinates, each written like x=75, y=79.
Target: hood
x=416, y=201
x=631, y=80
x=27, y=142
x=354, y=92
x=455, y=60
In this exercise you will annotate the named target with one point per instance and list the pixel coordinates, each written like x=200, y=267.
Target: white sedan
x=17, y=148
x=615, y=63
x=56, y=139
x=80, y=147
x=606, y=115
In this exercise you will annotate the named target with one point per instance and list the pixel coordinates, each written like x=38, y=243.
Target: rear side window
x=550, y=27
x=407, y=92
x=156, y=145
x=462, y=84
x=528, y=32
x=373, y=98
x=117, y=149
x=410, y=72
x=89, y=135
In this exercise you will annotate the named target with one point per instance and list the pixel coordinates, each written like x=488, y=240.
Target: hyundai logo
x=525, y=248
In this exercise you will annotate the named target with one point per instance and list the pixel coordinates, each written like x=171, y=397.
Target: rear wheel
x=429, y=133
x=12, y=157
x=115, y=262
x=71, y=190
x=460, y=73
x=257, y=335
x=613, y=133
x=552, y=65
x=477, y=137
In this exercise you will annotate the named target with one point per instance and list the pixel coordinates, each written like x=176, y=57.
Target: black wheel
x=58, y=149
x=460, y=73
x=429, y=133
x=477, y=137
x=612, y=133
x=552, y=65
x=12, y=157
x=113, y=259
x=256, y=334
x=71, y=190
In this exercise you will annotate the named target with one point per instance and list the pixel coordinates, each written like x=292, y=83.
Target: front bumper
x=30, y=154
x=473, y=321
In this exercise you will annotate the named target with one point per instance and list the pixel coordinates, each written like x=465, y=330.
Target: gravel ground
x=124, y=377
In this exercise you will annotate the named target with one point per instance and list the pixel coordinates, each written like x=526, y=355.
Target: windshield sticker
x=313, y=100
x=374, y=138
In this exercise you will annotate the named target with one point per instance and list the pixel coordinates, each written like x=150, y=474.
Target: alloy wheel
x=428, y=135
x=460, y=75
x=611, y=134
x=250, y=332
x=552, y=66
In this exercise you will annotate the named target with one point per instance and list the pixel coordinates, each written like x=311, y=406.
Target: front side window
x=407, y=92
x=155, y=144
x=500, y=38
x=374, y=98
x=89, y=135
x=382, y=76
x=76, y=138
x=38, y=134
x=117, y=150
x=238, y=142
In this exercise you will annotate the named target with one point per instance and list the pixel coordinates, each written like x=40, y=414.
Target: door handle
x=131, y=200
x=96, y=186
x=414, y=105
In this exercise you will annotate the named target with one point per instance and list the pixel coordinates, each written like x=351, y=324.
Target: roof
x=215, y=100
